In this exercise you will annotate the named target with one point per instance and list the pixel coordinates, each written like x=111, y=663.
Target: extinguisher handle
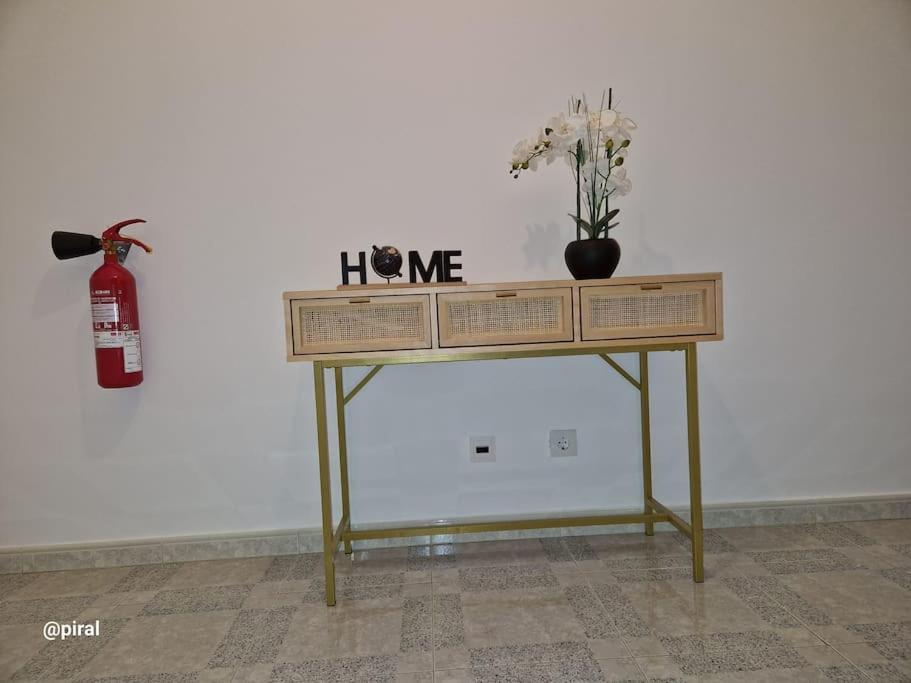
x=112, y=234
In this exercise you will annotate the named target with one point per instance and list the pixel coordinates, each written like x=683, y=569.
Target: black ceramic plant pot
x=592, y=259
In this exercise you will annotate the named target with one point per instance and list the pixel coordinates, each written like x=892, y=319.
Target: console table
x=391, y=324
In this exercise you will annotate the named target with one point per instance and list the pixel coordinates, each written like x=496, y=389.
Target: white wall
x=260, y=139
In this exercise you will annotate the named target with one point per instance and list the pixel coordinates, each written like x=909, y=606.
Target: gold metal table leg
x=646, y=439
x=343, y=453
x=653, y=510
x=692, y=430
x=329, y=545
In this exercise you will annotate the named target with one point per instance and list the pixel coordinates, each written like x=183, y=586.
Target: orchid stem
x=578, y=190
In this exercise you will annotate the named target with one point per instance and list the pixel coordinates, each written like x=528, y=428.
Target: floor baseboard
x=294, y=541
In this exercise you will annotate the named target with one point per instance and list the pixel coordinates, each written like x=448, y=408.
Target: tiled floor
x=800, y=603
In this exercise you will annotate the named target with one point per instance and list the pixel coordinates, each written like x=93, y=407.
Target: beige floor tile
x=257, y=673
x=620, y=669
x=588, y=566
x=496, y=553
x=821, y=655
x=852, y=597
x=726, y=564
x=69, y=583
x=453, y=676
x=601, y=576
x=373, y=567
x=682, y=608
x=872, y=662
x=133, y=597
x=379, y=562
x=110, y=612
x=444, y=586
x=219, y=573
x=874, y=557
x=17, y=645
x=410, y=662
x=644, y=646
x=172, y=643
x=520, y=577
x=393, y=559
x=715, y=571
x=608, y=648
x=509, y=618
x=746, y=539
x=859, y=653
x=895, y=555
x=270, y=601
x=417, y=590
x=835, y=634
x=616, y=546
x=886, y=532
x=414, y=677
x=689, y=608
x=217, y=676
x=659, y=667
x=451, y=658
x=278, y=587
x=342, y=631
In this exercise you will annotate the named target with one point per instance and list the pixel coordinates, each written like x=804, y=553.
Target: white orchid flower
x=595, y=145
x=621, y=184
x=603, y=118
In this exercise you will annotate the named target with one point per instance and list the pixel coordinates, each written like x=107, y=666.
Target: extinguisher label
x=106, y=322
x=105, y=312
x=132, y=352
x=108, y=339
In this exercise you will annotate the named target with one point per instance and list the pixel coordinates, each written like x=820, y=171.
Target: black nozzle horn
x=72, y=244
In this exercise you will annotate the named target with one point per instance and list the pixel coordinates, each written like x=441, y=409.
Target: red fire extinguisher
x=115, y=309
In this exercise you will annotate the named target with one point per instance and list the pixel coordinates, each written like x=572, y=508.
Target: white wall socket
x=563, y=443
x=482, y=449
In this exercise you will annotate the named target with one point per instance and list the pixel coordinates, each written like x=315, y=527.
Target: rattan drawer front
x=367, y=323
x=658, y=310
x=505, y=317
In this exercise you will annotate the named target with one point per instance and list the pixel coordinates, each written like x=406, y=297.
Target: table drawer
x=360, y=323
x=648, y=310
x=516, y=316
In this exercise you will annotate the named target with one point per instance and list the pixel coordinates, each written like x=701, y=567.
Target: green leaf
x=585, y=225
x=605, y=219
x=582, y=223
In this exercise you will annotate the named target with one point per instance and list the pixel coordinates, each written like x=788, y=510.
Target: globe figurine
x=386, y=262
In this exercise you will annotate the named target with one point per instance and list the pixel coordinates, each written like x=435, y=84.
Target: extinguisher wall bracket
x=113, y=242
x=122, y=248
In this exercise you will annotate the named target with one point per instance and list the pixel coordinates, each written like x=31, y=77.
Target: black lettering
x=449, y=266
x=416, y=266
x=360, y=268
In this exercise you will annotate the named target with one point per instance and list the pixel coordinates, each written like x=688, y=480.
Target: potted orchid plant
x=594, y=143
